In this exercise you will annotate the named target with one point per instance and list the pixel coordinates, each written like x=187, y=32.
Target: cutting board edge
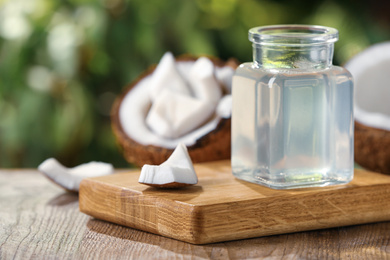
x=186, y=212
x=375, y=214
x=195, y=231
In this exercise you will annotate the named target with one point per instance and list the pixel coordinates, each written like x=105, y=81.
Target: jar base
x=294, y=180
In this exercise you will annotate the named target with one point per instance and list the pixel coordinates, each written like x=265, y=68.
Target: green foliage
x=62, y=63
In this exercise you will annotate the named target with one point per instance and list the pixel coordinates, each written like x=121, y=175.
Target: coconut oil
x=292, y=118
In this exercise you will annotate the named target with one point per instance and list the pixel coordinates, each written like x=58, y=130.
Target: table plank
x=39, y=220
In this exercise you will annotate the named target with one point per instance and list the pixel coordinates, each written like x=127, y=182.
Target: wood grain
x=222, y=208
x=38, y=220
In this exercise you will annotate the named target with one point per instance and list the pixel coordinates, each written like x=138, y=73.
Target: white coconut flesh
x=70, y=178
x=177, y=169
x=179, y=102
x=371, y=72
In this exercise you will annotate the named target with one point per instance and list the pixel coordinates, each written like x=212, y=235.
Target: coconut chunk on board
x=176, y=172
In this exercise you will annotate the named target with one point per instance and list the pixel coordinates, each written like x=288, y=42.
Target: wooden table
x=38, y=220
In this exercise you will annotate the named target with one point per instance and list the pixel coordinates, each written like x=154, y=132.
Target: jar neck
x=293, y=46
x=316, y=56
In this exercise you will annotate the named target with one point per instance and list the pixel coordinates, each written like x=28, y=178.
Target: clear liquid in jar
x=292, y=129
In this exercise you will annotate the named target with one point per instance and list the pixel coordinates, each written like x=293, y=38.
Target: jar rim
x=293, y=35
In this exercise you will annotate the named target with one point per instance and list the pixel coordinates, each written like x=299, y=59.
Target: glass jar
x=292, y=118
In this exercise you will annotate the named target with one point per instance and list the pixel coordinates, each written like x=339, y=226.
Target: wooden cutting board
x=221, y=207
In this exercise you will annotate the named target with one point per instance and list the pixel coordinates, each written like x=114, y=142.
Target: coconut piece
x=173, y=114
x=224, y=108
x=70, y=178
x=203, y=82
x=208, y=142
x=177, y=171
x=372, y=107
x=166, y=76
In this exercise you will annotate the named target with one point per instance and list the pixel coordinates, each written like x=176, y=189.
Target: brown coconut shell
x=215, y=145
x=372, y=148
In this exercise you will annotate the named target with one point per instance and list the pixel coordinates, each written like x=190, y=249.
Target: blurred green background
x=62, y=63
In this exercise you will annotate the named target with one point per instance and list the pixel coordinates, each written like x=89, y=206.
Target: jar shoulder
x=341, y=76
x=340, y=70
x=250, y=71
